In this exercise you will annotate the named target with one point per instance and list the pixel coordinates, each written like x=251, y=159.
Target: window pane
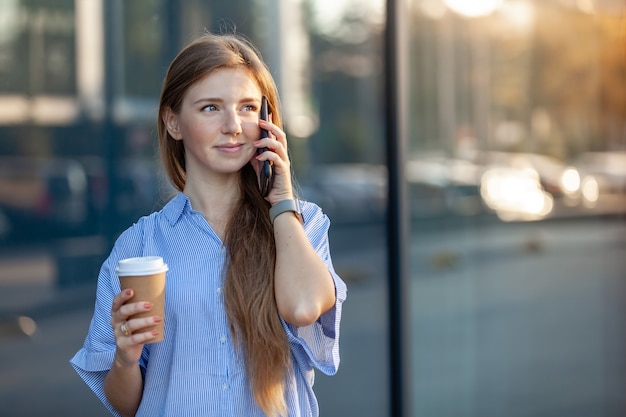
x=517, y=179
x=70, y=185
x=343, y=160
x=143, y=43
x=37, y=52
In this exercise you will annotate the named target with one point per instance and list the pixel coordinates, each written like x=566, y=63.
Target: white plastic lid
x=145, y=265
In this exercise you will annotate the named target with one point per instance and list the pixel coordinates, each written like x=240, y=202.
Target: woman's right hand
x=130, y=344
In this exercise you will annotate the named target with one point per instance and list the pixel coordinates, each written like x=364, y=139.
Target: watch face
x=298, y=211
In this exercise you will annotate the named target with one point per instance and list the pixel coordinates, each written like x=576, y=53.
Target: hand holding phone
x=266, y=176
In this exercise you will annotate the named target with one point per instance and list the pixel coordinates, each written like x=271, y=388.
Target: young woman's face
x=218, y=122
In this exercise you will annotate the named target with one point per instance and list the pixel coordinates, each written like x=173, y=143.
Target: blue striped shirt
x=195, y=370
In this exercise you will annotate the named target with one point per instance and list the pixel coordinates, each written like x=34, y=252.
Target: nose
x=232, y=123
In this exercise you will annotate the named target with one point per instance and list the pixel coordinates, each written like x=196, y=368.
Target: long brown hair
x=249, y=279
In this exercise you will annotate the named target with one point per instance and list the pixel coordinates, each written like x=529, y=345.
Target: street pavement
x=506, y=320
x=522, y=320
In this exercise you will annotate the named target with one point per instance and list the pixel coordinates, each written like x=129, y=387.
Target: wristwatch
x=286, y=205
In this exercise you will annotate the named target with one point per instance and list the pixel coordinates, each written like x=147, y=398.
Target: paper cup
x=146, y=277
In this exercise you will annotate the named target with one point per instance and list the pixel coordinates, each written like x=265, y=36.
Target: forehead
x=226, y=83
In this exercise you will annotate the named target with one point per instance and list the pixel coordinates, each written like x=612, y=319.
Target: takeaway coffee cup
x=146, y=277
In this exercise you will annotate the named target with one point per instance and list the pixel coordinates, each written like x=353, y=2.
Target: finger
x=138, y=325
x=120, y=299
x=125, y=329
x=127, y=310
x=138, y=338
x=137, y=331
x=275, y=132
x=272, y=145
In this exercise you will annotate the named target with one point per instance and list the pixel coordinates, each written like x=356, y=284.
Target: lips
x=230, y=148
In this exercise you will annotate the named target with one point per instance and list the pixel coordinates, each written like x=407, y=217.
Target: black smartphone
x=266, y=176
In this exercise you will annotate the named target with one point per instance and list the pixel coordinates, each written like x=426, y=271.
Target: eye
x=209, y=107
x=249, y=107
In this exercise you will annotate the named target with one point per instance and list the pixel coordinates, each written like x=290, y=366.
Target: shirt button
x=219, y=291
x=223, y=339
x=224, y=387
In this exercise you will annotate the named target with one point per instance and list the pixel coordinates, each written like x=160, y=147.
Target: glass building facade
x=470, y=154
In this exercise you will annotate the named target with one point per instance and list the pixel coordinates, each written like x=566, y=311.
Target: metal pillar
x=398, y=225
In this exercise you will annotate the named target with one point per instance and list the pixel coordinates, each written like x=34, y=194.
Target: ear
x=170, y=119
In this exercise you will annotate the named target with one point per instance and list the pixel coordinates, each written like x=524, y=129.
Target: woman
x=253, y=303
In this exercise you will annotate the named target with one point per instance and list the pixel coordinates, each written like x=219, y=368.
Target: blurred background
x=513, y=181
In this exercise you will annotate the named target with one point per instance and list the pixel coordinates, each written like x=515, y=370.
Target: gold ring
x=124, y=329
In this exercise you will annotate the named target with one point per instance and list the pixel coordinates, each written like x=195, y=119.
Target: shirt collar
x=176, y=207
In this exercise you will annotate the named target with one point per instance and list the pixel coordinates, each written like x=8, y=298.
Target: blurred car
x=42, y=196
x=64, y=197
x=440, y=186
x=347, y=192
x=121, y=191
x=515, y=194
x=603, y=180
x=139, y=188
x=555, y=176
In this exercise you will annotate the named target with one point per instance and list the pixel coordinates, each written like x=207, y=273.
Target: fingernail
x=155, y=332
x=129, y=292
x=157, y=319
x=147, y=305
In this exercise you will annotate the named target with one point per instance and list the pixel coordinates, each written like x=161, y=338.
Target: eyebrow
x=246, y=100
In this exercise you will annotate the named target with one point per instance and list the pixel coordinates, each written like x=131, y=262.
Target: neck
x=216, y=202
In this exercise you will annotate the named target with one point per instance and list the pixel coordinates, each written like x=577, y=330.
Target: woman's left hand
x=278, y=155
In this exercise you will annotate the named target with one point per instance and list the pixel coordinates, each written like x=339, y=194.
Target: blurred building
x=470, y=154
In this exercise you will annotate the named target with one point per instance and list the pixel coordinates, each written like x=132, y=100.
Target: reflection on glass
x=346, y=175
x=78, y=85
x=515, y=194
x=473, y=8
x=510, y=301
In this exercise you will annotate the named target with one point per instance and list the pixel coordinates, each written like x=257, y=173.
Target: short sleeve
x=93, y=361
x=317, y=345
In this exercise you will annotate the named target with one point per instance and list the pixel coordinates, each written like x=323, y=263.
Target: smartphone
x=266, y=176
